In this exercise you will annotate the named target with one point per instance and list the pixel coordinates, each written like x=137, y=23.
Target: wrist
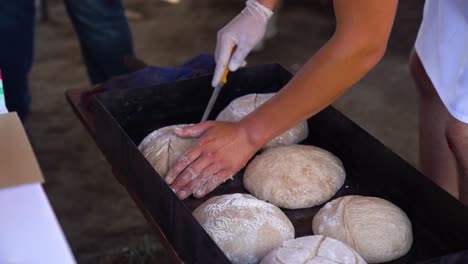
x=270, y=4
x=254, y=133
x=261, y=10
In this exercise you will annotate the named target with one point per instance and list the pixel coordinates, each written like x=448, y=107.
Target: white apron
x=442, y=46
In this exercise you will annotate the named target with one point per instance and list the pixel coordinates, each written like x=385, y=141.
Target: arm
x=359, y=42
x=360, y=39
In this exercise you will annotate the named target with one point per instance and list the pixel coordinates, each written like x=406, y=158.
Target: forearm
x=223, y=148
x=333, y=69
x=270, y=4
x=360, y=40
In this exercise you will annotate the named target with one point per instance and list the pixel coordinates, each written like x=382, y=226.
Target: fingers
x=224, y=47
x=192, y=163
x=238, y=58
x=193, y=130
x=199, y=181
x=190, y=173
x=212, y=183
x=186, y=159
x=221, y=151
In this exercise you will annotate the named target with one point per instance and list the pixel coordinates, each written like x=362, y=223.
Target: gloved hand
x=243, y=32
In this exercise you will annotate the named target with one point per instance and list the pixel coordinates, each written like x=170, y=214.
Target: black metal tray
x=124, y=118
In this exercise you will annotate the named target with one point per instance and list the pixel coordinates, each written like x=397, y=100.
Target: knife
x=215, y=94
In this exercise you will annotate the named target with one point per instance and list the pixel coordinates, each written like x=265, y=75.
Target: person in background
x=438, y=64
x=102, y=29
x=357, y=45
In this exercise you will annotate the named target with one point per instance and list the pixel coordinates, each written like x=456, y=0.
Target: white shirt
x=442, y=46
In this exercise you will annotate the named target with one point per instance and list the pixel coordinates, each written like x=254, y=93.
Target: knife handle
x=226, y=71
x=224, y=77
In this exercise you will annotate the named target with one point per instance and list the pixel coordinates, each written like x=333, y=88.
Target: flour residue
x=237, y=219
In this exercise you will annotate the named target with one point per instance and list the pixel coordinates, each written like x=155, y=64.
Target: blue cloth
x=202, y=64
x=102, y=29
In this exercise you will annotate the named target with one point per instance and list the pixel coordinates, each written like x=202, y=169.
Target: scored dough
x=377, y=229
x=245, y=228
x=294, y=176
x=244, y=105
x=162, y=148
x=313, y=250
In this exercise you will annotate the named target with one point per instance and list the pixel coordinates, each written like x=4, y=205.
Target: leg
x=457, y=137
x=436, y=159
x=104, y=35
x=16, y=52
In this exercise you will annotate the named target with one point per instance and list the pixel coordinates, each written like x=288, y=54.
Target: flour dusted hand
x=220, y=152
x=162, y=148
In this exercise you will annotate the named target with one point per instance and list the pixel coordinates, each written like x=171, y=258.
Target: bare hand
x=220, y=152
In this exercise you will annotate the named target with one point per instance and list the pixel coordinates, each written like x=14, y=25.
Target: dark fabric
x=104, y=37
x=16, y=52
x=202, y=64
x=456, y=258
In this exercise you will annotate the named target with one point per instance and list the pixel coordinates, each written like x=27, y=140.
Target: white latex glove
x=243, y=32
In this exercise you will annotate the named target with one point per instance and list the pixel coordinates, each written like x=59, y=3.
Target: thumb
x=238, y=58
x=193, y=131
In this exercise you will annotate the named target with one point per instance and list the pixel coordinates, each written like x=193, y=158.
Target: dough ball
x=162, y=148
x=245, y=228
x=246, y=104
x=313, y=250
x=377, y=229
x=294, y=176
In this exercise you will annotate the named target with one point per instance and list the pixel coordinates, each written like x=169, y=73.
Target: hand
x=243, y=32
x=221, y=151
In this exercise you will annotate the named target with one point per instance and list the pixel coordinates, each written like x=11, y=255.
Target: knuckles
x=222, y=35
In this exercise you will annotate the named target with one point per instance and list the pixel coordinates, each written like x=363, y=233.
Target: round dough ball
x=294, y=176
x=313, y=250
x=162, y=148
x=245, y=228
x=244, y=105
x=377, y=229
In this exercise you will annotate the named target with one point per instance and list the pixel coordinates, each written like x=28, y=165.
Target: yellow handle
x=226, y=71
x=224, y=78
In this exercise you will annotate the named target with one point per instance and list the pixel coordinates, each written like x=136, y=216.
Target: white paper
x=29, y=230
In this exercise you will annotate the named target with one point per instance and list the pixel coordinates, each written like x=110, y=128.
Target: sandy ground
x=99, y=219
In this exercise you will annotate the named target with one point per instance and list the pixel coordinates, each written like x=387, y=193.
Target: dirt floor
x=99, y=219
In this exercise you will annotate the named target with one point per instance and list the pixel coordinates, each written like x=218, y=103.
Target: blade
x=212, y=101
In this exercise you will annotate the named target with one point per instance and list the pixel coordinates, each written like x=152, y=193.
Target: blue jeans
x=102, y=29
